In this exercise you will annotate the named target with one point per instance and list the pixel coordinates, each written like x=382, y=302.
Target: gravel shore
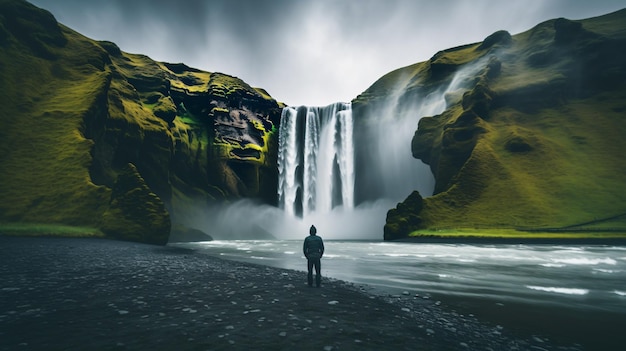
x=96, y=294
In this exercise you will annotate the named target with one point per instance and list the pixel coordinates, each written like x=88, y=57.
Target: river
x=561, y=289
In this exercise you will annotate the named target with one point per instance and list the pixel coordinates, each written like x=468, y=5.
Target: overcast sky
x=311, y=52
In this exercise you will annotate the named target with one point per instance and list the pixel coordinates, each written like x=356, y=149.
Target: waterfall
x=316, y=159
x=339, y=174
x=287, y=160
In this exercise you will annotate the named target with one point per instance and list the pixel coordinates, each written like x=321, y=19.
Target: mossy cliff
x=534, y=138
x=93, y=136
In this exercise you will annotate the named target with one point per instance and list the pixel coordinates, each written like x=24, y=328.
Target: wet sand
x=96, y=294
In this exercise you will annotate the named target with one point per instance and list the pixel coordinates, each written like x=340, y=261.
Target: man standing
x=313, y=251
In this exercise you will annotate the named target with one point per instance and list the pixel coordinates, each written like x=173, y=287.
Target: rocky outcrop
x=404, y=218
x=445, y=142
x=135, y=213
x=210, y=131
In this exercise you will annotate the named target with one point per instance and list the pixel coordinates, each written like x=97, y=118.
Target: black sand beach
x=95, y=294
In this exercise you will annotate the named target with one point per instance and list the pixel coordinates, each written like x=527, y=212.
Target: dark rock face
x=500, y=37
x=404, y=218
x=567, y=32
x=239, y=123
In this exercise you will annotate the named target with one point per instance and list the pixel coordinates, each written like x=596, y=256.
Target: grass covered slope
x=534, y=139
x=44, y=157
x=94, y=137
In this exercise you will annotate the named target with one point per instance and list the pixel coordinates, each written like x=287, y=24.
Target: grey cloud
x=305, y=51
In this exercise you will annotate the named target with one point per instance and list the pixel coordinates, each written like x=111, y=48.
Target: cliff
x=96, y=137
x=532, y=135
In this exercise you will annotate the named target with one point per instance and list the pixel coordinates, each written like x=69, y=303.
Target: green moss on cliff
x=165, y=109
x=44, y=157
x=556, y=167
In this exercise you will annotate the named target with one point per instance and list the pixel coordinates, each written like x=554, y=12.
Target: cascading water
x=316, y=159
x=317, y=169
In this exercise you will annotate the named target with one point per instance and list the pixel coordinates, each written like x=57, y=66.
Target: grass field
x=33, y=229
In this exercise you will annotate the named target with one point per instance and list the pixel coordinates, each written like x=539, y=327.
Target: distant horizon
x=306, y=52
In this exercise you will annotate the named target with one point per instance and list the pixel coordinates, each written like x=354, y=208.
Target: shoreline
x=107, y=294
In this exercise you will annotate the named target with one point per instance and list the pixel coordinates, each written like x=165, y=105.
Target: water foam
x=552, y=265
x=585, y=261
x=558, y=290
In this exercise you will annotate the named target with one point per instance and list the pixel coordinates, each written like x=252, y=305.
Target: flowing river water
x=563, y=290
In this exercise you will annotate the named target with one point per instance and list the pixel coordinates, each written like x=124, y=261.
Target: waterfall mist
x=386, y=167
x=247, y=219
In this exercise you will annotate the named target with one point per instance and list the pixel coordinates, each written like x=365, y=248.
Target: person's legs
x=310, y=268
x=318, y=272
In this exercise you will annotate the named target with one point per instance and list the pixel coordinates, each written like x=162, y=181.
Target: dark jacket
x=313, y=247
